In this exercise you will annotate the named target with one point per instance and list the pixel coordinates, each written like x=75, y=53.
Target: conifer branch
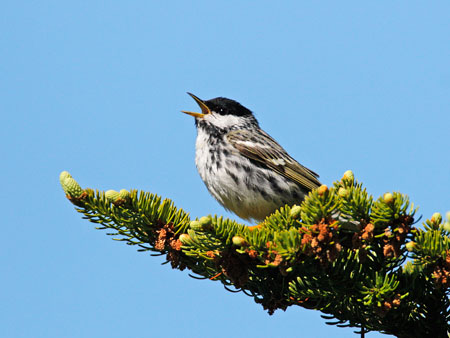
x=358, y=260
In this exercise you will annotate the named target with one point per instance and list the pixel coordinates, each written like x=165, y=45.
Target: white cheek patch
x=223, y=121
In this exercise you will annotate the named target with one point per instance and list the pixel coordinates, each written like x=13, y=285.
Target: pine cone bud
x=322, y=190
x=295, y=211
x=342, y=192
x=185, y=238
x=410, y=246
x=348, y=176
x=446, y=226
x=205, y=221
x=63, y=176
x=239, y=241
x=69, y=185
x=112, y=195
x=388, y=198
x=436, y=218
x=124, y=194
x=196, y=226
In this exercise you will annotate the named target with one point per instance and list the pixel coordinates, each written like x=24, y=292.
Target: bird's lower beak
x=202, y=105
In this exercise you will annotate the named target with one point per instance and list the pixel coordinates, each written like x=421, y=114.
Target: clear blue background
x=96, y=88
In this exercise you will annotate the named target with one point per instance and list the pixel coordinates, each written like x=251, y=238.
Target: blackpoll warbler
x=244, y=168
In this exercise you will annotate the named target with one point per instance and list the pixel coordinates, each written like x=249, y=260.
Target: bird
x=242, y=166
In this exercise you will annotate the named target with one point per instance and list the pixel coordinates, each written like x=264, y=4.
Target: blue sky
x=96, y=88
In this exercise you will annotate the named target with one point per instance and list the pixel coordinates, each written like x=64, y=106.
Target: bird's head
x=222, y=114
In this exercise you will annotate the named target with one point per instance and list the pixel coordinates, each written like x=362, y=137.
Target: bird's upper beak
x=202, y=105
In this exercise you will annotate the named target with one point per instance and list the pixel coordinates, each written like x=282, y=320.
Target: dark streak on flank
x=233, y=176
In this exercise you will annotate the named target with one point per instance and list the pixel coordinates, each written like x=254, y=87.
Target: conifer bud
x=348, y=176
x=446, y=226
x=185, y=238
x=112, y=195
x=63, y=176
x=322, y=190
x=295, y=211
x=410, y=246
x=196, y=226
x=124, y=194
x=205, y=221
x=342, y=192
x=388, y=198
x=436, y=219
x=69, y=185
x=239, y=241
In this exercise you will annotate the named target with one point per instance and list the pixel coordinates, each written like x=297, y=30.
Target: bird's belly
x=251, y=192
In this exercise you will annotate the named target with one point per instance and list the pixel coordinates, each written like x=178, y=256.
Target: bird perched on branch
x=244, y=168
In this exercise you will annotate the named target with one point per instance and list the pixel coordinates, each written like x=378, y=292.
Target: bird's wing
x=264, y=149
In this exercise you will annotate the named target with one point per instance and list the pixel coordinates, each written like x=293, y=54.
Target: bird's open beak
x=202, y=105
